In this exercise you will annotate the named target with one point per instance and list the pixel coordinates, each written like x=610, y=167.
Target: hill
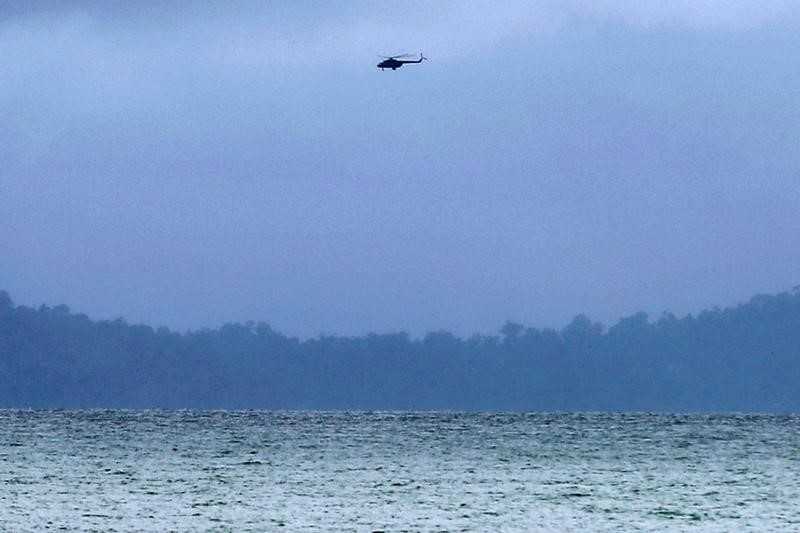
x=745, y=358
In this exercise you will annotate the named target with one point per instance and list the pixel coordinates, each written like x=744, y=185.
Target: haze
x=187, y=165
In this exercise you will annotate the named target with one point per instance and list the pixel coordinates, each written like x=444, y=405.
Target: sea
x=119, y=470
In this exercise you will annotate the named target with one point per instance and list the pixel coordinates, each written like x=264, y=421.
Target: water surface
x=252, y=470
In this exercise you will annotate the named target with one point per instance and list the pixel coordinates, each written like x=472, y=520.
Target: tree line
x=745, y=358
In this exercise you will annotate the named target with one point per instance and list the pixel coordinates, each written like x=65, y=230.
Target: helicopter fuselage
x=392, y=63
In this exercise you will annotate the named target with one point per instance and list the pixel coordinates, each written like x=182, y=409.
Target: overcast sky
x=190, y=164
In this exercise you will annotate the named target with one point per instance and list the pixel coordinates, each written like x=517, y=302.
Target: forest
x=740, y=359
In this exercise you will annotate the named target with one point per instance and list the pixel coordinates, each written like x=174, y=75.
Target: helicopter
x=394, y=63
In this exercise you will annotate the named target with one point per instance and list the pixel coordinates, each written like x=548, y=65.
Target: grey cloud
x=190, y=167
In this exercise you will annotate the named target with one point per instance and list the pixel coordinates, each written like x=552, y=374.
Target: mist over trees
x=745, y=358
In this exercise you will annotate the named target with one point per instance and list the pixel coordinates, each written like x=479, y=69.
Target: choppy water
x=267, y=471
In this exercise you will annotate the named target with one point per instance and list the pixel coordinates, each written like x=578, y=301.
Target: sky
x=189, y=164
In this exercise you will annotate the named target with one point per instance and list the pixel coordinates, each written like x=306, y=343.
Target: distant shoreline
x=744, y=359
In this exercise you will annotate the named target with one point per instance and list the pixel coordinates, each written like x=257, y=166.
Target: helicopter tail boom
x=420, y=60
